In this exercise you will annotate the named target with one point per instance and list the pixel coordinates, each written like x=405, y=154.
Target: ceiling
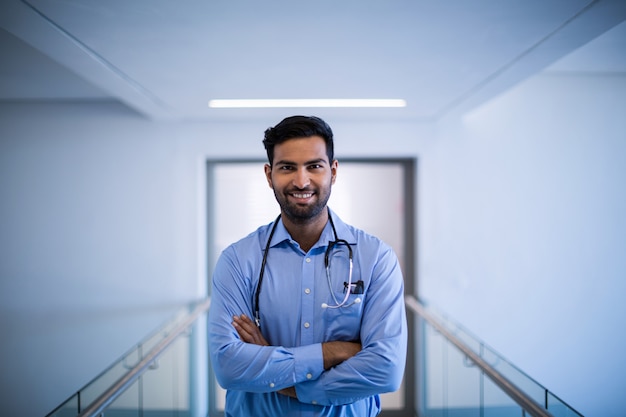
x=167, y=59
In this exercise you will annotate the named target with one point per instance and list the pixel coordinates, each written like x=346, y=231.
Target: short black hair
x=298, y=127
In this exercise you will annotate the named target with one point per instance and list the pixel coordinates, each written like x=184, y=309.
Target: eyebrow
x=314, y=161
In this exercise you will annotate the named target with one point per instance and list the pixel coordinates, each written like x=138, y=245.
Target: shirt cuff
x=309, y=362
x=311, y=392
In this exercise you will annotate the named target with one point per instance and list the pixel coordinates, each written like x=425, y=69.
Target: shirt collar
x=343, y=231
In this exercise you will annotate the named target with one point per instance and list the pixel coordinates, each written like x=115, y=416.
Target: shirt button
x=271, y=385
x=307, y=325
x=313, y=402
x=308, y=260
x=307, y=291
x=309, y=376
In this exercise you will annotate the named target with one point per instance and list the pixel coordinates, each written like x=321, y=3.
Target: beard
x=303, y=213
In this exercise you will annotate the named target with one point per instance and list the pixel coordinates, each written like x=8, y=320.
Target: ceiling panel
x=167, y=59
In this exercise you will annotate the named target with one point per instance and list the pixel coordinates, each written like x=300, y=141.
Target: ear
x=268, y=175
x=333, y=171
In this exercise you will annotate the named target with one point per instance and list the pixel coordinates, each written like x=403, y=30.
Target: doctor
x=307, y=313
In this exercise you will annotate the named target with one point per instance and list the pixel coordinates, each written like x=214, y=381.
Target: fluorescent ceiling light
x=330, y=102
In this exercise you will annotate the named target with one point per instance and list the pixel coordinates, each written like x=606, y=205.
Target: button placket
x=307, y=296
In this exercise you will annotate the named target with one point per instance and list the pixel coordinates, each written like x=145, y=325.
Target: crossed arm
x=333, y=373
x=334, y=352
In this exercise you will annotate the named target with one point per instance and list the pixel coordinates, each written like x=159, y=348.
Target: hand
x=336, y=352
x=289, y=392
x=248, y=331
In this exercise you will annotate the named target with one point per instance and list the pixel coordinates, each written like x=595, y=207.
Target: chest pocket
x=346, y=292
x=343, y=319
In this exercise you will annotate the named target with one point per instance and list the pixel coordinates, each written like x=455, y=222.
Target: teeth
x=307, y=195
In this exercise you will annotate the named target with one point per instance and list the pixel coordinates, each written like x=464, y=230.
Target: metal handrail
x=99, y=405
x=523, y=400
x=122, y=384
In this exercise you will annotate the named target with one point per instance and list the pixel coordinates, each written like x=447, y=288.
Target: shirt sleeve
x=379, y=366
x=244, y=366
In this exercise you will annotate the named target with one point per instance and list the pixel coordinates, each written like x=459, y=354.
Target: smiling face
x=301, y=177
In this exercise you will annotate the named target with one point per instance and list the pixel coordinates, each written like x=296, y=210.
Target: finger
x=245, y=322
x=250, y=328
x=243, y=331
x=248, y=331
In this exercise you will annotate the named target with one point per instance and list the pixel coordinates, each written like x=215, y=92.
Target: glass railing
x=457, y=375
x=452, y=381
x=160, y=376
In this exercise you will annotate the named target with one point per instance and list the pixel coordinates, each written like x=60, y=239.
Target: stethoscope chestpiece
x=356, y=301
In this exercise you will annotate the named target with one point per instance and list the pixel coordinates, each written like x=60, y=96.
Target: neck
x=308, y=232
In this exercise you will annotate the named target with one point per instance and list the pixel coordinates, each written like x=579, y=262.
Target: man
x=329, y=332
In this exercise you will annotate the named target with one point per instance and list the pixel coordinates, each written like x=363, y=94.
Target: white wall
x=101, y=231
x=524, y=233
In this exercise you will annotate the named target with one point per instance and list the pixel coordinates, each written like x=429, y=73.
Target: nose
x=301, y=178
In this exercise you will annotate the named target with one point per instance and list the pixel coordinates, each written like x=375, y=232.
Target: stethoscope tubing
x=257, y=316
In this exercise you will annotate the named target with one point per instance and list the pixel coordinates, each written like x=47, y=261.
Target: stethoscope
x=327, y=256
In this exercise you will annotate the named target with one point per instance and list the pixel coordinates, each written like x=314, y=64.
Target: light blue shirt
x=295, y=324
